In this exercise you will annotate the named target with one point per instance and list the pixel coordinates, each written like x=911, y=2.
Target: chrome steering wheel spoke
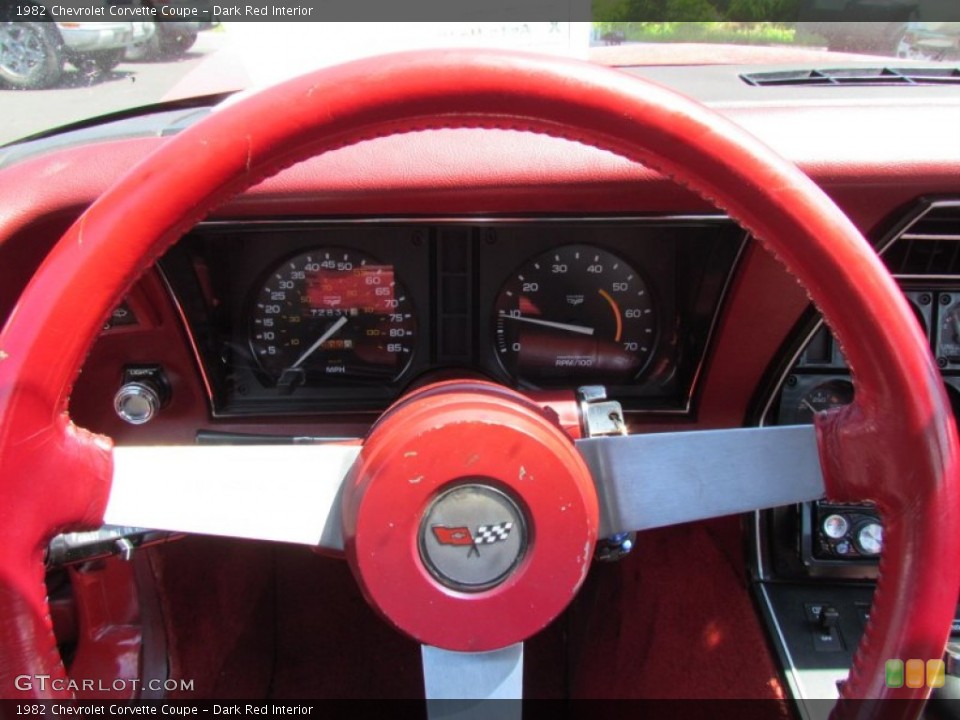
x=458, y=685
x=284, y=493
x=659, y=479
x=292, y=493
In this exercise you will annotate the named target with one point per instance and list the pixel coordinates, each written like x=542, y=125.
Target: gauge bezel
x=612, y=378
x=858, y=534
x=833, y=535
x=268, y=377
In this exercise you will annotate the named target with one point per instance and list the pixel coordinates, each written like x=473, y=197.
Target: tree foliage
x=697, y=10
x=763, y=10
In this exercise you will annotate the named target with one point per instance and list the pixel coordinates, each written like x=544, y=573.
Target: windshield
x=55, y=73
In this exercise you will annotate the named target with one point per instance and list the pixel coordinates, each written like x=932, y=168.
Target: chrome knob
x=137, y=402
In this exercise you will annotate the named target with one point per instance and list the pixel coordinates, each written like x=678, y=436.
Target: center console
x=815, y=564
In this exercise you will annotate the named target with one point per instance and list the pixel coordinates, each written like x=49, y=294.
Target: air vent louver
x=930, y=245
x=856, y=76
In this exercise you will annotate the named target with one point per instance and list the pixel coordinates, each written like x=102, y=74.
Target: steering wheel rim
x=900, y=402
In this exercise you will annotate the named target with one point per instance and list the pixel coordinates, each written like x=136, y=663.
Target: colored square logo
x=915, y=673
x=894, y=673
x=935, y=673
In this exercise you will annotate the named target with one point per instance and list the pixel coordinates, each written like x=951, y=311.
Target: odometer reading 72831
x=575, y=315
x=332, y=314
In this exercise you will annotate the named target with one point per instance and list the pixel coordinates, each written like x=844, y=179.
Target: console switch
x=824, y=619
x=828, y=618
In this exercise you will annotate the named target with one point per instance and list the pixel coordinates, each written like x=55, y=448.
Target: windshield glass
x=55, y=73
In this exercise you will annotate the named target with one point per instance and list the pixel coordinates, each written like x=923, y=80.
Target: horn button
x=472, y=537
x=469, y=517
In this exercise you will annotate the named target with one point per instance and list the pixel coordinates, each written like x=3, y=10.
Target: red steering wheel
x=897, y=444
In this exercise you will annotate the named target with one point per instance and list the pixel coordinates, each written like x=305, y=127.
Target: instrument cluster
x=317, y=316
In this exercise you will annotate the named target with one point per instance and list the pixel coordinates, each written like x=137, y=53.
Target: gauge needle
x=549, y=323
x=331, y=331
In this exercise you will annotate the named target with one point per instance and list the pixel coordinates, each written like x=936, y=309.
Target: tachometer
x=328, y=314
x=576, y=314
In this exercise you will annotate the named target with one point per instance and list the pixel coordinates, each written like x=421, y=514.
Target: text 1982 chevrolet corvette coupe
x=506, y=354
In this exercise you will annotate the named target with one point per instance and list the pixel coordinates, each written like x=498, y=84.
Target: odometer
x=332, y=314
x=575, y=315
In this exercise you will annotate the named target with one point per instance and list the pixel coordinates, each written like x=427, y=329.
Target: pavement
x=252, y=55
x=76, y=97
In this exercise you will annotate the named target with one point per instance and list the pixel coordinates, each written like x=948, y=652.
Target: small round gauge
x=576, y=314
x=825, y=396
x=869, y=538
x=835, y=526
x=332, y=314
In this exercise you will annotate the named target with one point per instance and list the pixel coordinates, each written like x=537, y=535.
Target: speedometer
x=577, y=314
x=332, y=314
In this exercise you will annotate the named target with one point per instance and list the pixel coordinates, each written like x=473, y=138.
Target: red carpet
x=674, y=620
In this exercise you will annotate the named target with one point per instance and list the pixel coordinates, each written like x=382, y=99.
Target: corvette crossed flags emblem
x=485, y=535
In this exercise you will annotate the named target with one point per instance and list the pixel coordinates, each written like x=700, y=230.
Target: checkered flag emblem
x=485, y=535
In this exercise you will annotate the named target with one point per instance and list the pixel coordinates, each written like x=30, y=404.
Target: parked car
x=172, y=39
x=33, y=54
x=479, y=373
x=930, y=41
x=871, y=26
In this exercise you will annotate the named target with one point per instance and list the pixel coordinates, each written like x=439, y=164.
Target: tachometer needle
x=549, y=323
x=331, y=331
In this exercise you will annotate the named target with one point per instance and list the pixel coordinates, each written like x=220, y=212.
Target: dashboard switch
x=828, y=618
x=144, y=391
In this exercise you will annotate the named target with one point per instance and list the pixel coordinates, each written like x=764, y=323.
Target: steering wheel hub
x=469, y=517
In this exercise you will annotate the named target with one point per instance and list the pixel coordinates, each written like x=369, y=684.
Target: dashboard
x=307, y=316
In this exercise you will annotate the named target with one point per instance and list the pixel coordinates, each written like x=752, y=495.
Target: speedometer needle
x=331, y=331
x=549, y=323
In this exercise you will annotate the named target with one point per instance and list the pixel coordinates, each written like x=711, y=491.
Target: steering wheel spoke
x=285, y=493
x=653, y=480
x=458, y=684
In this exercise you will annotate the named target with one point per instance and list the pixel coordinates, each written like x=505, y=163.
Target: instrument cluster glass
x=346, y=316
x=576, y=314
x=332, y=314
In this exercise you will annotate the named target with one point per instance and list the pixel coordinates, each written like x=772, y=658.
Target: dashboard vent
x=856, y=76
x=930, y=244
